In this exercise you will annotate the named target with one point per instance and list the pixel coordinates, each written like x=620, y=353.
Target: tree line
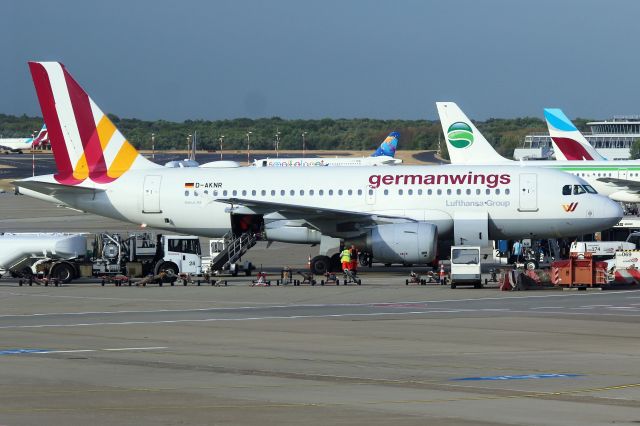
x=324, y=134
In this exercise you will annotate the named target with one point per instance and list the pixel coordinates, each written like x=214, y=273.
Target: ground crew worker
x=345, y=258
x=443, y=275
x=354, y=258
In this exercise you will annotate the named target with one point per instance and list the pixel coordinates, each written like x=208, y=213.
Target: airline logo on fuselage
x=490, y=180
x=570, y=207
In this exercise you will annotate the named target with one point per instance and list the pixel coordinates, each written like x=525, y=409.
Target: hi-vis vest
x=345, y=256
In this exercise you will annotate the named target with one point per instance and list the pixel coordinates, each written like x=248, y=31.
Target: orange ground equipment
x=580, y=270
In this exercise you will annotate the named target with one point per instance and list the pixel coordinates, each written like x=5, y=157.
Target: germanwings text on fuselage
x=490, y=180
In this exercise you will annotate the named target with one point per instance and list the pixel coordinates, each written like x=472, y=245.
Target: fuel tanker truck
x=65, y=257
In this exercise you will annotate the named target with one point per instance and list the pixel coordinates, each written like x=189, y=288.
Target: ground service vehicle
x=65, y=256
x=465, y=266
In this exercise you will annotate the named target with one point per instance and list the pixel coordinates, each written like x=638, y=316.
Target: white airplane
x=19, y=144
x=397, y=214
x=619, y=180
x=383, y=156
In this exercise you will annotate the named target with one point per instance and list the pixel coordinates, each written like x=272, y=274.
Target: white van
x=465, y=266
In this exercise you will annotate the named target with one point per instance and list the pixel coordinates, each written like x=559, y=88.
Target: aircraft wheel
x=320, y=265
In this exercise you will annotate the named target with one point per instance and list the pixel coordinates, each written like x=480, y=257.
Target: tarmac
x=377, y=354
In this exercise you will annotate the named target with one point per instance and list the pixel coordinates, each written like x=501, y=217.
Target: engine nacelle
x=404, y=242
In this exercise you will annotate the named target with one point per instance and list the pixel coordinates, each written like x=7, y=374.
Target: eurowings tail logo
x=460, y=135
x=570, y=207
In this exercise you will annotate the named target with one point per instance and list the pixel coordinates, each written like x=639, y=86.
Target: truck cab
x=183, y=251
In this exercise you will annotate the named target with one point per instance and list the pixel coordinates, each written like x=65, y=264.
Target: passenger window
x=400, y=191
x=273, y=192
x=507, y=191
x=497, y=191
x=215, y=193
x=458, y=191
x=478, y=191
x=321, y=192
x=235, y=192
x=292, y=192
x=578, y=189
x=311, y=192
x=429, y=192
x=282, y=192
x=350, y=192
x=206, y=192
x=224, y=193
x=448, y=191
x=244, y=192
x=339, y=191
x=359, y=191
x=371, y=192
x=386, y=192
x=419, y=191
x=439, y=191
x=195, y=193
x=487, y=191
x=331, y=192
x=264, y=192
x=566, y=190
x=410, y=192
x=302, y=192
x=253, y=192
x=186, y=193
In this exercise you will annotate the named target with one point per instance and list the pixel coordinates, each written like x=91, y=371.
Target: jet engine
x=403, y=242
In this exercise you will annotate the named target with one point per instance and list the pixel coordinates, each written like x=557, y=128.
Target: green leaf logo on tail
x=460, y=135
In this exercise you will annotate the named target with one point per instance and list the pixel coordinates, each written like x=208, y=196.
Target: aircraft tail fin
x=465, y=143
x=84, y=141
x=41, y=137
x=568, y=142
x=388, y=146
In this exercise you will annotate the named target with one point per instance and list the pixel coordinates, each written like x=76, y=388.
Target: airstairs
x=234, y=249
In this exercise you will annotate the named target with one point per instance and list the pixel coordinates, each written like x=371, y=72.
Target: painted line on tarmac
x=22, y=351
x=518, y=377
x=372, y=314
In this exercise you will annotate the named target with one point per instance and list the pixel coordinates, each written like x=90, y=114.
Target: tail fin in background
x=42, y=137
x=388, y=146
x=465, y=143
x=85, y=143
x=568, y=142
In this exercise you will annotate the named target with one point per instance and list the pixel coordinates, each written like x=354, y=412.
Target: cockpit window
x=590, y=189
x=578, y=189
x=566, y=190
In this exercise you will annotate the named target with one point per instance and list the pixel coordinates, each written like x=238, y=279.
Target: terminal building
x=611, y=138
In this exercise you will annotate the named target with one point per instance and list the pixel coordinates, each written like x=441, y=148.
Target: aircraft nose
x=610, y=212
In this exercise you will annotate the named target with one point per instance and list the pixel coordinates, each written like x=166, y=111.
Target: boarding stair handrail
x=235, y=248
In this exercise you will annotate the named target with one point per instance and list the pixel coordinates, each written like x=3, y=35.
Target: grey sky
x=177, y=60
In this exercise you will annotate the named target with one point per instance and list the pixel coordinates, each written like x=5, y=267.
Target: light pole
x=248, y=148
x=188, y=144
x=277, y=143
x=303, y=143
x=153, y=146
x=221, y=139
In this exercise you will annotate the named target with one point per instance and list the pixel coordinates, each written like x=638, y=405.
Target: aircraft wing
x=54, y=189
x=629, y=184
x=326, y=220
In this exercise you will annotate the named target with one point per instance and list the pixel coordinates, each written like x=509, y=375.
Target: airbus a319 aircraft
x=397, y=214
x=619, y=180
x=383, y=156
